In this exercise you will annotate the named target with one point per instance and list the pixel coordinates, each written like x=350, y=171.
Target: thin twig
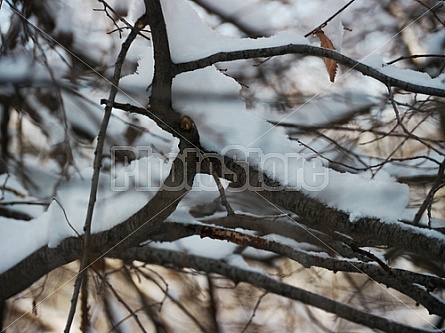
x=427, y=203
x=174, y=300
x=213, y=303
x=254, y=311
x=415, y=56
x=127, y=107
x=140, y=24
x=430, y=9
x=128, y=24
x=410, y=134
x=321, y=26
x=222, y=194
x=120, y=299
x=67, y=219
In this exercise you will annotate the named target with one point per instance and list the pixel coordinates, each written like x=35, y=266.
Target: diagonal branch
x=317, y=215
x=414, y=285
x=243, y=27
x=305, y=49
x=261, y=280
x=131, y=232
x=140, y=225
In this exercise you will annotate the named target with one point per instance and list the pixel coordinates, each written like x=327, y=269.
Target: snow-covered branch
x=416, y=286
x=371, y=67
x=130, y=232
x=365, y=231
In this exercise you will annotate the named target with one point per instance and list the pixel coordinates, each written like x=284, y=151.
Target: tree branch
x=305, y=49
x=148, y=219
x=329, y=220
x=131, y=232
x=139, y=25
x=261, y=280
x=401, y=280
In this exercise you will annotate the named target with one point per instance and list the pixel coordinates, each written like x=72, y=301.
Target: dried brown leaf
x=331, y=65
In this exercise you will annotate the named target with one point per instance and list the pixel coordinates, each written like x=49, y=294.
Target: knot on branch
x=188, y=133
x=186, y=124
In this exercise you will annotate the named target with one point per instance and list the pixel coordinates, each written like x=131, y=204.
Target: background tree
x=222, y=166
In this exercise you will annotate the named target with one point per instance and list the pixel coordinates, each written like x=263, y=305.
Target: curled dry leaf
x=331, y=65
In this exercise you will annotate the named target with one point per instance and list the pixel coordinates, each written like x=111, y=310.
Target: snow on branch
x=374, y=67
x=418, y=290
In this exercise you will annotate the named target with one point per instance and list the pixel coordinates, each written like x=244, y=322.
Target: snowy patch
x=56, y=223
x=414, y=77
x=190, y=38
x=195, y=245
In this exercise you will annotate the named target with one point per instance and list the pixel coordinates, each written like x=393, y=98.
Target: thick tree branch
x=160, y=106
x=329, y=220
x=305, y=49
x=161, y=92
x=284, y=226
x=401, y=280
x=170, y=231
x=314, y=213
x=131, y=232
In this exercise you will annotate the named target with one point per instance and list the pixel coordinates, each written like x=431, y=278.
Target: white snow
x=117, y=200
x=196, y=40
x=133, y=87
x=419, y=78
x=20, y=69
x=237, y=260
x=268, y=148
x=260, y=143
x=20, y=239
x=195, y=245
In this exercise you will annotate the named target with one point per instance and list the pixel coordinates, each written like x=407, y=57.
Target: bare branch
x=140, y=24
x=261, y=280
x=415, y=56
